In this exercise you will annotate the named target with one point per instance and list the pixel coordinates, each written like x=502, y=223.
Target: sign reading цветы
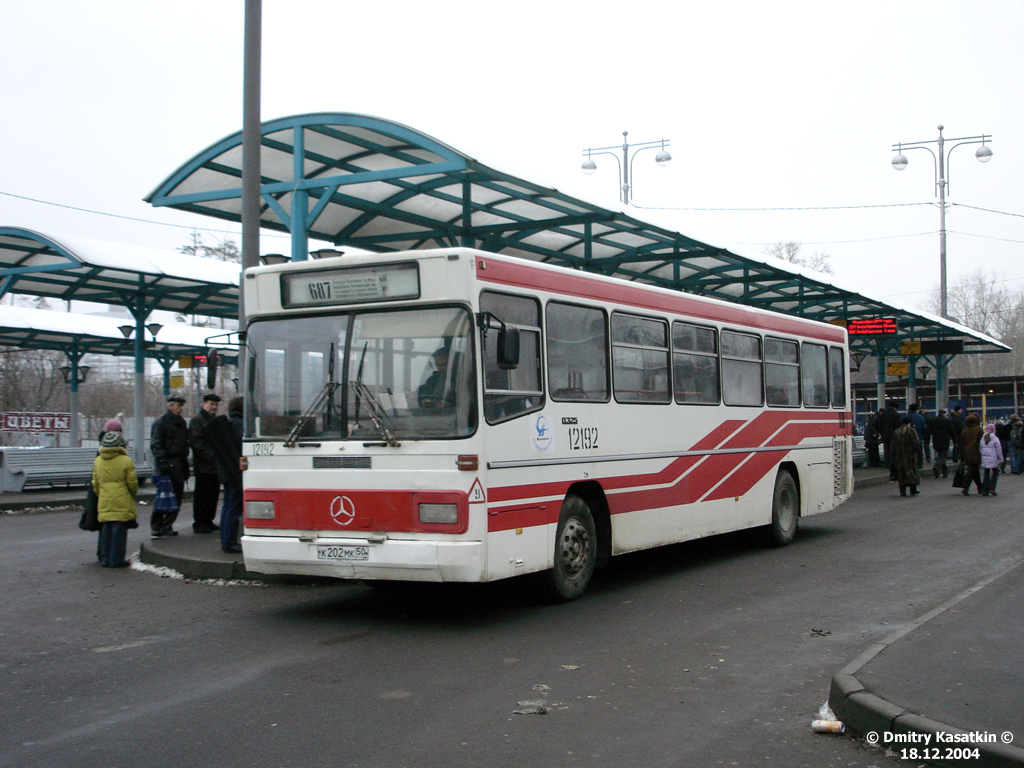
x=35, y=422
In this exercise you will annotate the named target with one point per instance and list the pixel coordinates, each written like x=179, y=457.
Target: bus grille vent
x=342, y=462
x=840, y=460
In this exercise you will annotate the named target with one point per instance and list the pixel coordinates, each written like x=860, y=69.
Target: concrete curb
x=866, y=713
x=192, y=568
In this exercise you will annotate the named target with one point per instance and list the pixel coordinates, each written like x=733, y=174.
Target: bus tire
x=575, y=551
x=785, y=510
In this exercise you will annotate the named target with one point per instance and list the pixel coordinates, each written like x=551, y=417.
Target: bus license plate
x=343, y=552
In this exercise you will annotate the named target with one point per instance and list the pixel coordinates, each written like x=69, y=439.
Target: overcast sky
x=778, y=106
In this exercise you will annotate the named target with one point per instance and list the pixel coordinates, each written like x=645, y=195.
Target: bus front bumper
x=390, y=559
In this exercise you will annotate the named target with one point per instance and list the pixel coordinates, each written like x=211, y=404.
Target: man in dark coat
x=906, y=457
x=224, y=436
x=168, y=442
x=888, y=423
x=204, y=463
x=956, y=422
x=871, y=441
x=942, y=437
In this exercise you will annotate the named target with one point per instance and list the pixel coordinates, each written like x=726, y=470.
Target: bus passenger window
x=695, y=364
x=509, y=393
x=741, y=369
x=814, y=376
x=640, y=359
x=837, y=376
x=781, y=372
x=577, y=342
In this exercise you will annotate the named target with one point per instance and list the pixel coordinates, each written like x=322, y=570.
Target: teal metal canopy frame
x=35, y=264
x=370, y=183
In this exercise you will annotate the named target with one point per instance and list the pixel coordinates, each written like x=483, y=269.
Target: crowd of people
x=977, y=453
x=215, y=445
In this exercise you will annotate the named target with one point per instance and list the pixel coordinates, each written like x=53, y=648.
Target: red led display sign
x=871, y=326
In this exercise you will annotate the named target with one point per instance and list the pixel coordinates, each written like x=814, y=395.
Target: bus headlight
x=259, y=510
x=439, y=514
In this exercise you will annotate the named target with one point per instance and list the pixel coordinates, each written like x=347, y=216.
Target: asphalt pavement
x=965, y=713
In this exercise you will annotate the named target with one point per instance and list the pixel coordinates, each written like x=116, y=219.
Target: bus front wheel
x=575, y=551
x=785, y=510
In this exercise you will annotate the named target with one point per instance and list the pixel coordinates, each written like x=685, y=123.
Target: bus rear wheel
x=575, y=551
x=785, y=510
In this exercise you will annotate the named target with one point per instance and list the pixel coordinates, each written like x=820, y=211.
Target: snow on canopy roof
x=68, y=267
x=64, y=331
x=370, y=183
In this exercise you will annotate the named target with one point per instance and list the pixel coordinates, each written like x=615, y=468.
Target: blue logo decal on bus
x=544, y=438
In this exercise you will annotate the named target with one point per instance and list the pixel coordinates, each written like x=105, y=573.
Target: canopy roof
x=366, y=182
x=76, y=334
x=141, y=279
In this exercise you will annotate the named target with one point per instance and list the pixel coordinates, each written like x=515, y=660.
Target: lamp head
x=900, y=162
x=663, y=158
x=984, y=153
x=589, y=166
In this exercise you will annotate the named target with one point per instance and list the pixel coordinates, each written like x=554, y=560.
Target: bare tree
x=224, y=251
x=984, y=303
x=790, y=252
x=30, y=380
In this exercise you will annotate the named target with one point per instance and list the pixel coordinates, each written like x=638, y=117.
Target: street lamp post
x=941, y=164
x=139, y=380
x=74, y=374
x=663, y=158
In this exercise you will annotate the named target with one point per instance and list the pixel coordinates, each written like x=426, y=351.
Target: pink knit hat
x=113, y=425
x=990, y=427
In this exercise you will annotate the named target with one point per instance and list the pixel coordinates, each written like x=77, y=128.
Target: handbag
x=958, y=476
x=165, y=501
x=90, y=520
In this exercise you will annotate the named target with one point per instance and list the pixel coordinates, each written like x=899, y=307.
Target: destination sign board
x=350, y=285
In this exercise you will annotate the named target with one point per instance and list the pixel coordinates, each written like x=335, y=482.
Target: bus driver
x=436, y=391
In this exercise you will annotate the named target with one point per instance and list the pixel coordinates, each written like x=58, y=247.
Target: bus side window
x=577, y=346
x=837, y=376
x=814, y=376
x=512, y=392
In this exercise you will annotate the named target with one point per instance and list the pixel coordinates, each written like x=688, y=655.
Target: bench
x=22, y=468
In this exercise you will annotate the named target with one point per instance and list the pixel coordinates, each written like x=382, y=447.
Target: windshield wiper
x=324, y=399
x=378, y=415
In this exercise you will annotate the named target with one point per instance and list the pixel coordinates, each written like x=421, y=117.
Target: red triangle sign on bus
x=476, y=493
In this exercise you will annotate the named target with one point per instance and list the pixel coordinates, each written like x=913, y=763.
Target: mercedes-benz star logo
x=343, y=511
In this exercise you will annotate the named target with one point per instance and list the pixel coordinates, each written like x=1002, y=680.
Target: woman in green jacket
x=115, y=483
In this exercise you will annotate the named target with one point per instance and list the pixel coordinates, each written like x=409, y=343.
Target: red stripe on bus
x=679, y=484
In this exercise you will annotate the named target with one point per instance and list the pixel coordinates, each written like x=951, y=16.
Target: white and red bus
x=454, y=415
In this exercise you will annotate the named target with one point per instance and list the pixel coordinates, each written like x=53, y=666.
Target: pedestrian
x=927, y=437
x=224, y=436
x=956, y=421
x=204, y=464
x=91, y=498
x=918, y=423
x=871, y=440
x=1016, y=444
x=942, y=436
x=888, y=423
x=906, y=457
x=991, y=458
x=116, y=484
x=1003, y=433
x=970, y=452
x=168, y=443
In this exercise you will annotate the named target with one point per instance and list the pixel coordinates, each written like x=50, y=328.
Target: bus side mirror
x=212, y=359
x=508, y=348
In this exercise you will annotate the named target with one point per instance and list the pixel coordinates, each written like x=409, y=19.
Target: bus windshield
x=377, y=376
